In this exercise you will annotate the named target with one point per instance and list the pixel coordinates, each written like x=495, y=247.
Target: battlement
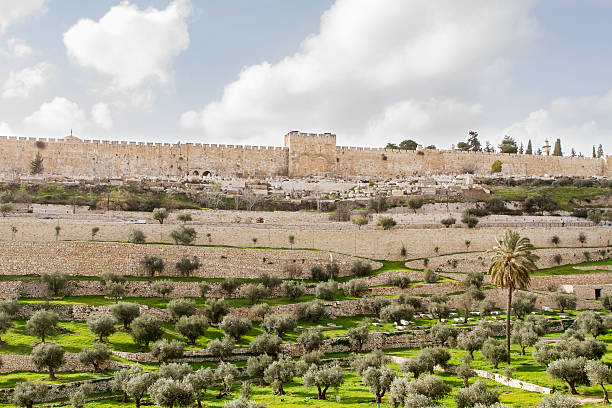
x=303, y=155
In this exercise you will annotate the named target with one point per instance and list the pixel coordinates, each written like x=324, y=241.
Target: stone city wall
x=376, y=244
x=303, y=155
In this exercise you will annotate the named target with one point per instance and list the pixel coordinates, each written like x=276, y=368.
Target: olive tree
x=323, y=377
x=599, y=374
x=167, y=392
x=138, y=385
x=493, y=351
x=564, y=300
x=523, y=335
x=523, y=304
x=326, y=290
x=164, y=351
x=396, y=313
x=311, y=311
x=355, y=288
x=124, y=313
x=49, y=356
x=430, y=386
x=266, y=343
x=28, y=392
x=471, y=341
x=192, y=327
x=200, y=380
x=42, y=323
x=6, y=323
x=160, y=214
x=358, y=336
x=279, y=324
x=443, y=334
x=186, y=265
x=102, y=326
x=115, y=290
x=591, y=322
x=146, y=328
x=152, y=264
x=215, y=309
x=378, y=380
x=311, y=339
x=55, y=282
x=181, y=307
x=256, y=366
x=282, y=371
x=477, y=393
x=558, y=400
x=570, y=370
x=254, y=292
x=235, y=327
x=163, y=288
x=183, y=235
x=95, y=356
x=221, y=348
x=226, y=372
x=229, y=285
x=292, y=289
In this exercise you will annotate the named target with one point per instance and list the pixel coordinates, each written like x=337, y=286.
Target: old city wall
x=375, y=244
x=74, y=158
x=303, y=155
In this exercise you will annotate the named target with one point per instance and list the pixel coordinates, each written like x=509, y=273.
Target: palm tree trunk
x=508, y=310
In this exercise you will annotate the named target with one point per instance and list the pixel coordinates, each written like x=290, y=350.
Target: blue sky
x=246, y=72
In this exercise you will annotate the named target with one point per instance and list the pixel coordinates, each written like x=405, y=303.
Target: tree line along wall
x=303, y=155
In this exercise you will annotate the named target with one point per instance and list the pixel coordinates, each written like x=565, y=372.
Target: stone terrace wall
x=376, y=244
x=479, y=261
x=65, y=390
x=93, y=258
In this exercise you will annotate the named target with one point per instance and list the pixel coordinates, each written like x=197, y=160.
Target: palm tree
x=511, y=264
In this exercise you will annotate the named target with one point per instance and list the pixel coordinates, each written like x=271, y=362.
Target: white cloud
x=18, y=47
x=134, y=47
x=14, y=10
x=579, y=123
x=369, y=65
x=5, y=129
x=101, y=116
x=21, y=84
x=59, y=115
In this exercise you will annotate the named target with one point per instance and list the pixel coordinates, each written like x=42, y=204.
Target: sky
x=247, y=72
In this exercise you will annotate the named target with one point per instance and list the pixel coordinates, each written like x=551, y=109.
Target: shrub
x=397, y=313
x=279, y=324
x=477, y=393
x=183, y=235
x=430, y=276
x=269, y=281
x=311, y=339
x=136, y=236
x=311, y=311
x=447, y=222
x=373, y=305
x=496, y=167
x=469, y=220
x=361, y=268
x=401, y=281
x=318, y=274
x=558, y=400
x=558, y=258
x=355, y=288
x=186, y=266
x=413, y=301
x=292, y=289
x=326, y=290
x=416, y=203
x=555, y=240
x=387, y=222
x=146, y=328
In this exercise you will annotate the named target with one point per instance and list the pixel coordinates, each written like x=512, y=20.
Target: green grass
x=569, y=269
x=564, y=195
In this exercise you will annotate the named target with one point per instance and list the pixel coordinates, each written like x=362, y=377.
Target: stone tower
x=311, y=154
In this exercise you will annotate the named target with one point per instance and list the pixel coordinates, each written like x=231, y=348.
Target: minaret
x=546, y=147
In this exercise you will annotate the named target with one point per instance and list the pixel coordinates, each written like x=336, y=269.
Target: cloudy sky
x=247, y=72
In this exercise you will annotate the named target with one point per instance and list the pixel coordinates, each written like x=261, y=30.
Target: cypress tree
x=557, y=150
x=594, y=154
x=36, y=165
x=529, y=149
x=521, y=149
x=600, y=151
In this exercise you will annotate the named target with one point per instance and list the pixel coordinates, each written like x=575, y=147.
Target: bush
x=292, y=289
x=318, y=274
x=558, y=400
x=254, y=292
x=279, y=324
x=558, y=258
x=401, y=281
x=183, y=235
x=136, y=236
x=181, y=307
x=496, y=167
x=269, y=281
x=447, y=222
x=355, y=288
x=361, y=268
x=477, y=393
x=311, y=311
x=430, y=276
x=469, y=220
x=326, y=290
x=396, y=313
x=387, y=222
